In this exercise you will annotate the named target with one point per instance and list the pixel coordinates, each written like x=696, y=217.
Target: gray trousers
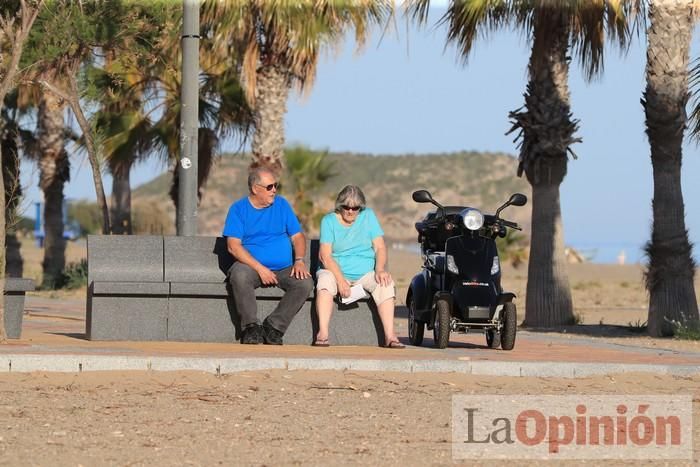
x=244, y=280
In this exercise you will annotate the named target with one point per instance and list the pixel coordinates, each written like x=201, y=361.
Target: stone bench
x=15, y=290
x=175, y=289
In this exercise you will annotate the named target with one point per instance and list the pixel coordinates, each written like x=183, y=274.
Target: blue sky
x=408, y=94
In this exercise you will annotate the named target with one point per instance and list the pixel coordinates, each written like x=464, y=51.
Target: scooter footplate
x=478, y=312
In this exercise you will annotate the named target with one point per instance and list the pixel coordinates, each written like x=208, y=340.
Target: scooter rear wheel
x=415, y=328
x=493, y=339
x=441, y=329
x=510, y=325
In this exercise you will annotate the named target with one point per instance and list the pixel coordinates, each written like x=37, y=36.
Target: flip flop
x=395, y=344
x=321, y=343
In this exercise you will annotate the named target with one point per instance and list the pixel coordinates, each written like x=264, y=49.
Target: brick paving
x=57, y=327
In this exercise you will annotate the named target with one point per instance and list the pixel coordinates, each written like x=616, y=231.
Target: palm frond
x=694, y=87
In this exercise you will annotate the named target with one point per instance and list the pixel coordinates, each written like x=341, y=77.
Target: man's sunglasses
x=270, y=186
x=351, y=208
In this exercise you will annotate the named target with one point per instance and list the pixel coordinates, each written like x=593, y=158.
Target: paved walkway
x=53, y=340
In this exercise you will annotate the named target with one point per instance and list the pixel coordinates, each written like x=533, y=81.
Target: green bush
x=75, y=275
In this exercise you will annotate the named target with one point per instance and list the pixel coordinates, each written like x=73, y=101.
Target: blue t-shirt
x=352, y=245
x=264, y=232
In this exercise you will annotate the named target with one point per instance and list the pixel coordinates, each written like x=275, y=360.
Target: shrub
x=75, y=275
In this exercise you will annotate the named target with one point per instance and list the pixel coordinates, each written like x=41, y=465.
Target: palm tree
x=16, y=21
x=671, y=270
x=280, y=42
x=54, y=173
x=546, y=129
x=155, y=91
x=308, y=171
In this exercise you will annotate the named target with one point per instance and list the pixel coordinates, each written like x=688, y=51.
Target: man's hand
x=299, y=270
x=382, y=278
x=344, y=288
x=267, y=277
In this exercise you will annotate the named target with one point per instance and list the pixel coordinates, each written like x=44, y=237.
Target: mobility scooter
x=459, y=286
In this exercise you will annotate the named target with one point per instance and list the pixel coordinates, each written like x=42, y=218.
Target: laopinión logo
x=572, y=427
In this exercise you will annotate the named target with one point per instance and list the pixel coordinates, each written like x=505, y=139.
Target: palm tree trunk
x=671, y=270
x=272, y=90
x=547, y=131
x=3, y=334
x=13, y=192
x=54, y=172
x=121, y=199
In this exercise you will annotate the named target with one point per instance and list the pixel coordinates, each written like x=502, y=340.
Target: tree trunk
x=72, y=98
x=547, y=132
x=671, y=270
x=3, y=334
x=272, y=90
x=54, y=172
x=13, y=192
x=121, y=199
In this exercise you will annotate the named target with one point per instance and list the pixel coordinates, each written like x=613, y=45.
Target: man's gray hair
x=351, y=195
x=255, y=176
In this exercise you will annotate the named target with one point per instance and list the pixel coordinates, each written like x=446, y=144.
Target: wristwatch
x=298, y=259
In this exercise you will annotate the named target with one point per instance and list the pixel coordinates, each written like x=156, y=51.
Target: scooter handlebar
x=510, y=224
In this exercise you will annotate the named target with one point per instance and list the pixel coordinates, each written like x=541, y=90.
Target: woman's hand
x=344, y=288
x=382, y=277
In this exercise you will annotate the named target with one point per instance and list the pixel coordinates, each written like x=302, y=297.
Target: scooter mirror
x=518, y=199
x=422, y=196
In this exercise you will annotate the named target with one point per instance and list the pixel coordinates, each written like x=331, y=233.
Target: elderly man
x=261, y=230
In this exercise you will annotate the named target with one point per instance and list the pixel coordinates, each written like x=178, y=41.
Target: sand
x=264, y=418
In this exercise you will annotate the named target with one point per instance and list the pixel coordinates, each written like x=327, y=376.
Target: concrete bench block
x=196, y=259
x=126, y=318
x=130, y=288
x=201, y=319
x=15, y=289
x=125, y=258
x=201, y=289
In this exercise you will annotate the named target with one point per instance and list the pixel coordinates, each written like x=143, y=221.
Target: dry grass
x=33, y=257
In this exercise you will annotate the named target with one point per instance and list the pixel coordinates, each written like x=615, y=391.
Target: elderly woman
x=353, y=252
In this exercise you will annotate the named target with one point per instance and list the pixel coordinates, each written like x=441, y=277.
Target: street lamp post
x=189, y=122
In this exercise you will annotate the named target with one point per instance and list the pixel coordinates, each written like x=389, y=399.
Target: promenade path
x=53, y=340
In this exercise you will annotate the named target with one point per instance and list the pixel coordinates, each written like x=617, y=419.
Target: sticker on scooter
x=476, y=284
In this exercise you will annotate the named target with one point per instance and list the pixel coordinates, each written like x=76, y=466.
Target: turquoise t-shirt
x=352, y=245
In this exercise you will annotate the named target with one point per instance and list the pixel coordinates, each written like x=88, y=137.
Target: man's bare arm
x=299, y=269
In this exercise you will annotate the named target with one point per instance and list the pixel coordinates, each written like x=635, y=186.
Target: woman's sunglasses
x=270, y=186
x=351, y=208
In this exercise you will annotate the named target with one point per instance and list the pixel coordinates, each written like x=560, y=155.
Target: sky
x=406, y=93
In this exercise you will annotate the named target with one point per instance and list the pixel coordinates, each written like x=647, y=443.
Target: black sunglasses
x=351, y=208
x=270, y=186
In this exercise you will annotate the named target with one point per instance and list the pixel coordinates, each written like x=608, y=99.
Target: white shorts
x=325, y=280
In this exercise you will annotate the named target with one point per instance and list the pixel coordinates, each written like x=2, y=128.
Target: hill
x=483, y=180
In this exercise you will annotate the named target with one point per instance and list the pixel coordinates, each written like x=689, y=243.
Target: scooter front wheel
x=441, y=329
x=510, y=326
x=415, y=328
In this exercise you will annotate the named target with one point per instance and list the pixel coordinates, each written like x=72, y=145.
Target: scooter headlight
x=495, y=266
x=473, y=219
x=452, y=265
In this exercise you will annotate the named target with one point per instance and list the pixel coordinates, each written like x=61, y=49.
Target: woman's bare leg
x=324, y=309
